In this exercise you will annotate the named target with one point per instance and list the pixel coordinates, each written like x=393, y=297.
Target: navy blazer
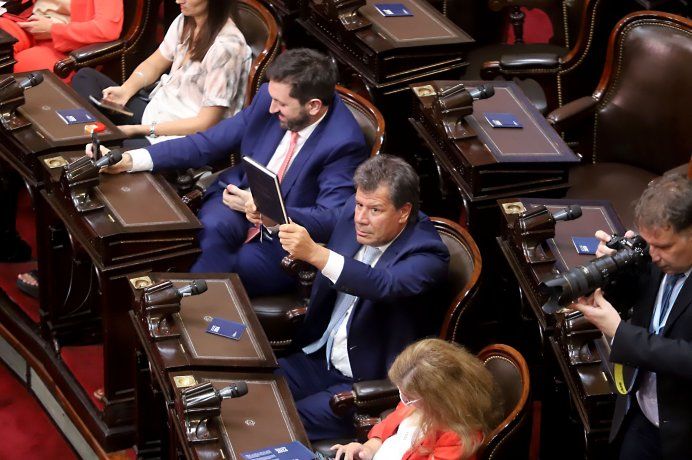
x=321, y=175
x=394, y=308
x=669, y=354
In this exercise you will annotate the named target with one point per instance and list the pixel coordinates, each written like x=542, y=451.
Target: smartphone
x=112, y=106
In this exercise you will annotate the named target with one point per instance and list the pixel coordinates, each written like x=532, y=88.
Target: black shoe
x=14, y=249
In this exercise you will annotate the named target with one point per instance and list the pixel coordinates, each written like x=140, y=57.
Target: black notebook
x=266, y=191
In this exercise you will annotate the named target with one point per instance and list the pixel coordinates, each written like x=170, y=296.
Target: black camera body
x=631, y=254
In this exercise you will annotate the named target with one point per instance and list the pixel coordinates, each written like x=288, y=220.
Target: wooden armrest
x=341, y=403
x=83, y=56
x=572, y=112
x=369, y=397
x=526, y=65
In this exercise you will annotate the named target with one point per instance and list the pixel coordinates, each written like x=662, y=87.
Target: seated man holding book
x=298, y=128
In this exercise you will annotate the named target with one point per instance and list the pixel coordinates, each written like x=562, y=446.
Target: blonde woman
x=447, y=406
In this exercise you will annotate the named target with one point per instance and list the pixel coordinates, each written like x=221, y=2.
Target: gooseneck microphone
x=571, y=212
x=194, y=288
x=30, y=80
x=482, y=92
x=234, y=390
x=109, y=159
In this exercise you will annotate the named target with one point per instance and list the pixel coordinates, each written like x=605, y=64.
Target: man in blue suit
x=296, y=126
x=371, y=297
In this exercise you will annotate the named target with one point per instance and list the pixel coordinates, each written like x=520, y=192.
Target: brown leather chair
x=279, y=314
x=261, y=32
x=121, y=56
x=509, y=440
x=635, y=126
x=565, y=68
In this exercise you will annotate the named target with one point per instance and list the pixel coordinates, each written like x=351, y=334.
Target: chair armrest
x=572, y=112
x=521, y=65
x=83, y=57
x=369, y=397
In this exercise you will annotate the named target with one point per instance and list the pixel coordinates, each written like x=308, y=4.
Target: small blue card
x=585, y=244
x=291, y=451
x=393, y=9
x=502, y=120
x=226, y=328
x=76, y=116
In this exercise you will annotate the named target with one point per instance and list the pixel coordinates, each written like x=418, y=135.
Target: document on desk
x=291, y=451
x=266, y=191
x=393, y=9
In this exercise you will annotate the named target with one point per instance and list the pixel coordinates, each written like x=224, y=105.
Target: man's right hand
x=604, y=250
x=124, y=165
x=297, y=242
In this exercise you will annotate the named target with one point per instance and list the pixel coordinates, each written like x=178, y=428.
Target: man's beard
x=301, y=121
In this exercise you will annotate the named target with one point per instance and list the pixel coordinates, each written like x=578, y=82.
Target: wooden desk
x=497, y=163
x=389, y=53
x=143, y=227
x=571, y=344
x=7, y=61
x=265, y=416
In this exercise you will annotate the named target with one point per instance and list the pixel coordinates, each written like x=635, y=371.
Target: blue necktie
x=341, y=305
x=671, y=281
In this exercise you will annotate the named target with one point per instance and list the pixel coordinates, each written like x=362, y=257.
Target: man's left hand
x=599, y=312
x=236, y=198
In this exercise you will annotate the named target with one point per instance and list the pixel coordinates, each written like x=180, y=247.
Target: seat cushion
x=619, y=183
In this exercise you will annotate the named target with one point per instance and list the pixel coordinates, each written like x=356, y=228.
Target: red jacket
x=91, y=21
x=446, y=445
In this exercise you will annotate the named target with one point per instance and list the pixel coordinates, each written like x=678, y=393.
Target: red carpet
x=27, y=432
x=86, y=364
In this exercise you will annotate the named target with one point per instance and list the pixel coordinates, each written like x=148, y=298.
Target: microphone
x=234, y=390
x=482, y=92
x=30, y=80
x=571, y=212
x=109, y=159
x=194, y=288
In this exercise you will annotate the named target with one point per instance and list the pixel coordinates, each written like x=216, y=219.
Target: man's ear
x=405, y=211
x=314, y=106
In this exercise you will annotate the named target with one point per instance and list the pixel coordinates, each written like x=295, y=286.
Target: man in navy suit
x=370, y=299
x=654, y=419
x=298, y=127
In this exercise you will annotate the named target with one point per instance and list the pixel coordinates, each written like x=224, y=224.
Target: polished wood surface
x=7, y=61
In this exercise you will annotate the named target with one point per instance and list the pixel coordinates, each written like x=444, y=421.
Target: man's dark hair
x=311, y=74
x=393, y=173
x=666, y=201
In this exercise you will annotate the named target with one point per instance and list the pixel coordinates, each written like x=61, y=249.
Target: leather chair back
x=463, y=278
x=368, y=117
x=261, y=32
x=511, y=438
x=644, y=111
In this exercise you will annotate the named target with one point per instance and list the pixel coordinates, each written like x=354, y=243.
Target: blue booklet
x=226, y=328
x=76, y=116
x=502, y=120
x=585, y=244
x=291, y=451
x=393, y=9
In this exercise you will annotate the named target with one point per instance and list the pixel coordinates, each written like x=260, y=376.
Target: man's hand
x=37, y=26
x=297, y=242
x=604, y=250
x=599, y=312
x=235, y=198
x=252, y=214
x=134, y=130
x=124, y=165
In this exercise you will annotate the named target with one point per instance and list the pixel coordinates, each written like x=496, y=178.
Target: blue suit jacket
x=394, y=308
x=320, y=176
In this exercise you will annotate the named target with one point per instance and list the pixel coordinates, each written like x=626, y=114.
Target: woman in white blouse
x=208, y=62
x=447, y=406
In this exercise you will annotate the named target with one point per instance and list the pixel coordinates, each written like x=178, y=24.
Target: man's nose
x=361, y=217
x=273, y=108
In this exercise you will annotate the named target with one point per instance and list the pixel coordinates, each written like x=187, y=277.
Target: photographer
x=654, y=419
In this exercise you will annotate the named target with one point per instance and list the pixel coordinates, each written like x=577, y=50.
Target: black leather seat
x=635, y=126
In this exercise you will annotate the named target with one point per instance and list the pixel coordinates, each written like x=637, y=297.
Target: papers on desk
x=392, y=9
x=291, y=451
x=226, y=328
x=502, y=120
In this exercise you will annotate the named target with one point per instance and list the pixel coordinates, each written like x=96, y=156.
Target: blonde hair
x=456, y=391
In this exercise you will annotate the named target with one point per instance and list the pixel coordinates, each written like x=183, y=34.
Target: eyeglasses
x=405, y=400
